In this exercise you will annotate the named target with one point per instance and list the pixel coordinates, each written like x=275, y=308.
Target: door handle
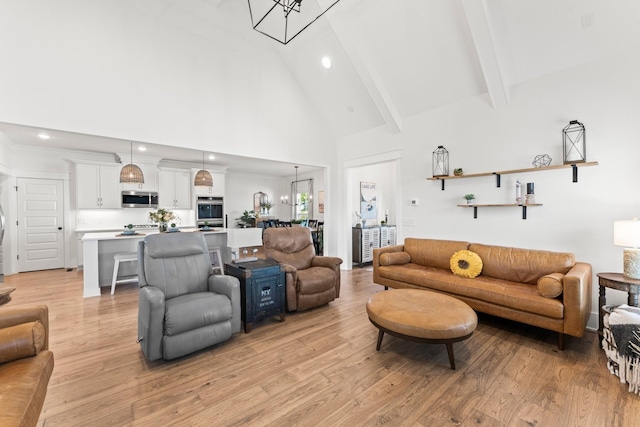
x=59, y=228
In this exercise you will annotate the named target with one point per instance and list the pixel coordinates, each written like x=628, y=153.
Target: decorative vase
x=469, y=201
x=162, y=227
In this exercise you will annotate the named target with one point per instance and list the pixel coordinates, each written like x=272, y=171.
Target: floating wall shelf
x=524, y=207
x=573, y=166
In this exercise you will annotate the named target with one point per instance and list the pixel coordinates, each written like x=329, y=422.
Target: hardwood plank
x=318, y=367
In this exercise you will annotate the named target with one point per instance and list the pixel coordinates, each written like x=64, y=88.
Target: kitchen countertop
x=139, y=230
x=109, y=235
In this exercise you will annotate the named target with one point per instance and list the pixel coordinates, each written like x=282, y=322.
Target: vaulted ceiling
x=395, y=59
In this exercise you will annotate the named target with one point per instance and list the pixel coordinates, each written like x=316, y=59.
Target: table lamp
x=238, y=238
x=627, y=233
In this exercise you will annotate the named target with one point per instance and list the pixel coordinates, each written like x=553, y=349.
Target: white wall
x=242, y=187
x=112, y=68
x=383, y=175
x=576, y=217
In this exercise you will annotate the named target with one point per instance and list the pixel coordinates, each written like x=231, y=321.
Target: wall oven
x=211, y=210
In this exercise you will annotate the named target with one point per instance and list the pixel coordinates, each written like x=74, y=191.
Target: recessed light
x=142, y=148
x=43, y=136
x=211, y=157
x=326, y=62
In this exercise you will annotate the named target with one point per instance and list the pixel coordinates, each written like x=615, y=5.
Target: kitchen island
x=98, y=250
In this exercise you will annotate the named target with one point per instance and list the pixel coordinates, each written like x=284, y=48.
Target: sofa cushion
x=393, y=258
x=521, y=265
x=19, y=341
x=193, y=311
x=466, y=264
x=316, y=279
x=431, y=252
x=518, y=296
x=550, y=285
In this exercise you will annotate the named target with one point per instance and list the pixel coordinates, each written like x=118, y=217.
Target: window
x=302, y=194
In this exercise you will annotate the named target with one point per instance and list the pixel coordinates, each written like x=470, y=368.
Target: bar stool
x=216, y=259
x=118, y=258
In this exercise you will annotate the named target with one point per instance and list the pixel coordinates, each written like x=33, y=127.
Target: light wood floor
x=319, y=367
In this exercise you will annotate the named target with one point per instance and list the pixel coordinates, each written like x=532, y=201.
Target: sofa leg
x=560, y=341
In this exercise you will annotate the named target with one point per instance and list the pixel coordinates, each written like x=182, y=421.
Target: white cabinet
x=98, y=186
x=216, y=190
x=150, y=173
x=387, y=235
x=364, y=241
x=174, y=189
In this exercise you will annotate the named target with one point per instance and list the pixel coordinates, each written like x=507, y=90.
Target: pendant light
x=203, y=177
x=131, y=173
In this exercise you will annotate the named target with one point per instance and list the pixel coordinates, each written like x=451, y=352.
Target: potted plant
x=174, y=227
x=266, y=207
x=162, y=217
x=296, y=222
x=206, y=226
x=469, y=198
x=246, y=220
x=128, y=229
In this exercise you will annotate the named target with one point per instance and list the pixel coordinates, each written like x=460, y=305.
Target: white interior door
x=40, y=221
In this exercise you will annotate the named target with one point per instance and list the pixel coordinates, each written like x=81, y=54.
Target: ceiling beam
x=478, y=22
x=370, y=79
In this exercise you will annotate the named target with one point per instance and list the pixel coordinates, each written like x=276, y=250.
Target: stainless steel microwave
x=139, y=199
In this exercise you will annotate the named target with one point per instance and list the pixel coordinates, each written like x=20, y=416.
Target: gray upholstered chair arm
x=229, y=286
x=151, y=321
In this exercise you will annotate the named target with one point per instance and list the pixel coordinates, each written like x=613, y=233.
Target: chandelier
x=283, y=20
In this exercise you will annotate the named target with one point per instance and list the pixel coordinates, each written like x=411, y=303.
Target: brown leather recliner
x=26, y=364
x=311, y=280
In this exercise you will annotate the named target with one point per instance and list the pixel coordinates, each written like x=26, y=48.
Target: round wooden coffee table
x=422, y=316
x=5, y=293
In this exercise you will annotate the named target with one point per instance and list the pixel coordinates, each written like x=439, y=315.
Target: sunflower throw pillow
x=466, y=264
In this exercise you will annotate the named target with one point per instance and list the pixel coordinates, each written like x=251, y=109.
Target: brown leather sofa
x=509, y=285
x=25, y=364
x=311, y=280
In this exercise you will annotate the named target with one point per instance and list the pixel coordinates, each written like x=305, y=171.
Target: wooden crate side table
x=262, y=288
x=619, y=282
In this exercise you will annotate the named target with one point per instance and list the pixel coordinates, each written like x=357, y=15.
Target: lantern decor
x=574, y=143
x=440, y=162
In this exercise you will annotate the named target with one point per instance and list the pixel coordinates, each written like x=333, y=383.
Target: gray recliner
x=182, y=307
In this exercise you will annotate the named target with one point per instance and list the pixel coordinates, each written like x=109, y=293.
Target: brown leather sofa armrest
x=16, y=316
x=376, y=257
x=291, y=284
x=576, y=296
x=326, y=261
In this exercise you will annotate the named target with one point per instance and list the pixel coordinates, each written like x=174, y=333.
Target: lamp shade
x=203, y=178
x=131, y=174
x=627, y=233
x=244, y=237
